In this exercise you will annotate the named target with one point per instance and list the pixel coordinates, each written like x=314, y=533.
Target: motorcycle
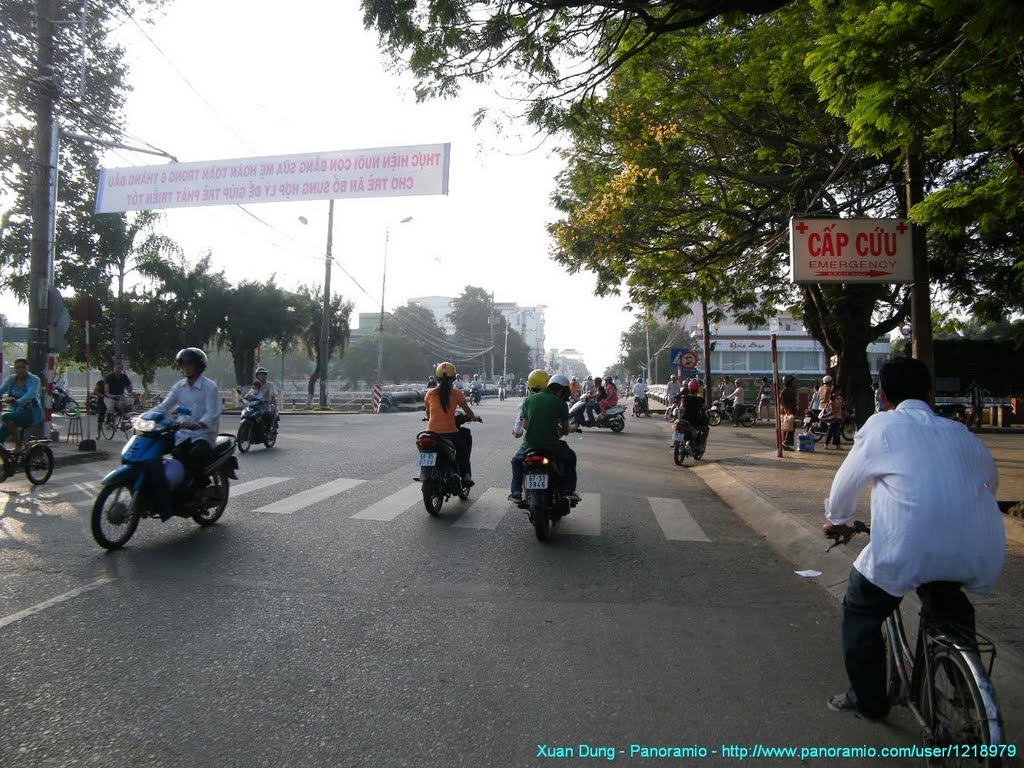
x=544, y=501
x=439, y=470
x=686, y=441
x=640, y=406
x=521, y=390
x=474, y=395
x=64, y=402
x=128, y=492
x=819, y=427
x=252, y=427
x=614, y=418
x=501, y=392
x=721, y=411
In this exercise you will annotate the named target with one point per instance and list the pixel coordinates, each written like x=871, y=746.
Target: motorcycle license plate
x=536, y=482
x=426, y=459
x=677, y=437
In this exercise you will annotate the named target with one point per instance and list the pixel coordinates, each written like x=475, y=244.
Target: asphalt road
x=327, y=620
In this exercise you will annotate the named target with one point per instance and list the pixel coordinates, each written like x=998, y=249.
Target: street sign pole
x=773, y=327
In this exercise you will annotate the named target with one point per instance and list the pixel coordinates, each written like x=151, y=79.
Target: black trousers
x=865, y=609
x=196, y=455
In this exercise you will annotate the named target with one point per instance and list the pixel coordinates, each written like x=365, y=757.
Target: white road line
x=64, y=492
x=585, y=519
x=676, y=521
x=51, y=602
x=304, y=499
x=392, y=506
x=487, y=511
x=254, y=485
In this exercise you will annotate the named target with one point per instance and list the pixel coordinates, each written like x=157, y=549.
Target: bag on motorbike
x=517, y=425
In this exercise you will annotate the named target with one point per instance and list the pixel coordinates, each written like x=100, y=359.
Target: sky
x=250, y=78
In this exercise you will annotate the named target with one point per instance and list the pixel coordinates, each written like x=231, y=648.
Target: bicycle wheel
x=108, y=428
x=39, y=464
x=955, y=712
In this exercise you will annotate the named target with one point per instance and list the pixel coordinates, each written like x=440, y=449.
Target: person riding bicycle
x=695, y=414
x=193, y=442
x=21, y=395
x=118, y=385
x=441, y=402
x=265, y=393
x=934, y=518
x=546, y=419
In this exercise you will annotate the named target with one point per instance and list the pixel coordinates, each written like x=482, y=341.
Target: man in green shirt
x=546, y=418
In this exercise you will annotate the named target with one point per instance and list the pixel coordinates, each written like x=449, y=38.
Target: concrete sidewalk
x=783, y=499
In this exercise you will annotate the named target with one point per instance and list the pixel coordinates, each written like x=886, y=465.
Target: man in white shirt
x=640, y=393
x=934, y=518
x=193, y=443
x=737, y=402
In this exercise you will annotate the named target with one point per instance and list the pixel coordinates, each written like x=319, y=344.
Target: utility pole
x=380, y=336
x=42, y=189
x=325, y=322
x=490, y=322
x=920, y=291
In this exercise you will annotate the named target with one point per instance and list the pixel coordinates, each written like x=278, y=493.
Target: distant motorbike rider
x=596, y=395
x=546, y=420
x=694, y=413
x=640, y=392
x=611, y=397
x=476, y=388
x=193, y=442
x=441, y=402
x=265, y=393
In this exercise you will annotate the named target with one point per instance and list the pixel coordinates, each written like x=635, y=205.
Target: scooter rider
x=640, y=392
x=475, y=388
x=265, y=393
x=441, y=402
x=593, y=399
x=546, y=419
x=694, y=412
x=537, y=381
x=193, y=442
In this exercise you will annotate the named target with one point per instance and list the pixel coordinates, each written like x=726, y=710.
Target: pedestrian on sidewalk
x=788, y=406
x=764, y=399
x=837, y=408
x=934, y=518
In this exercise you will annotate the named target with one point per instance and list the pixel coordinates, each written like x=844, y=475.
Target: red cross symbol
x=801, y=227
x=901, y=227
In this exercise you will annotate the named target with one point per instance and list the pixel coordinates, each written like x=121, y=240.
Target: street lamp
x=383, y=282
x=504, y=360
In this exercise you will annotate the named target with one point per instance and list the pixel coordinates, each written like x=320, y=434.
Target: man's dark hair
x=20, y=360
x=905, y=378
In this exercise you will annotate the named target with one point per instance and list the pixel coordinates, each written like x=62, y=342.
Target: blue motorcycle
x=129, y=492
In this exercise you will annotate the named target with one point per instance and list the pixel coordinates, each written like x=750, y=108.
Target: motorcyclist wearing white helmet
x=546, y=419
x=264, y=392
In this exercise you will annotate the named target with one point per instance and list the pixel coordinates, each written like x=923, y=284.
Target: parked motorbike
x=614, y=418
x=819, y=427
x=721, y=411
x=544, y=500
x=64, y=402
x=439, y=470
x=686, y=441
x=252, y=426
x=640, y=406
x=129, y=492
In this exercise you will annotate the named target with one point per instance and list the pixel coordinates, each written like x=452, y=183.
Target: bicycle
x=117, y=419
x=35, y=458
x=945, y=682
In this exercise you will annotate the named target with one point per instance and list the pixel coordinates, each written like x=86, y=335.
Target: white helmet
x=558, y=379
x=827, y=380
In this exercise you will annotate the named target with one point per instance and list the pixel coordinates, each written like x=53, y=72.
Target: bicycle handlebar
x=842, y=534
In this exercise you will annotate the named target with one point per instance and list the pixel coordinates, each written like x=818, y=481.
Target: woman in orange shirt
x=441, y=402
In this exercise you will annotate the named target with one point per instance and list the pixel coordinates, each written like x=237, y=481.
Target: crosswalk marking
x=487, y=511
x=676, y=521
x=62, y=492
x=585, y=519
x=254, y=485
x=392, y=506
x=294, y=503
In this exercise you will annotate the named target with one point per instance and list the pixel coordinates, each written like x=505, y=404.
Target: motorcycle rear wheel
x=244, y=436
x=679, y=454
x=849, y=431
x=39, y=464
x=433, y=498
x=212, y=515
x=541, y=521
x=115, y=516
x=617, y=424
x=747, y=419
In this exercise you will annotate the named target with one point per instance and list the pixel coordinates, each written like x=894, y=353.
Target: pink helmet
x=694, y=385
